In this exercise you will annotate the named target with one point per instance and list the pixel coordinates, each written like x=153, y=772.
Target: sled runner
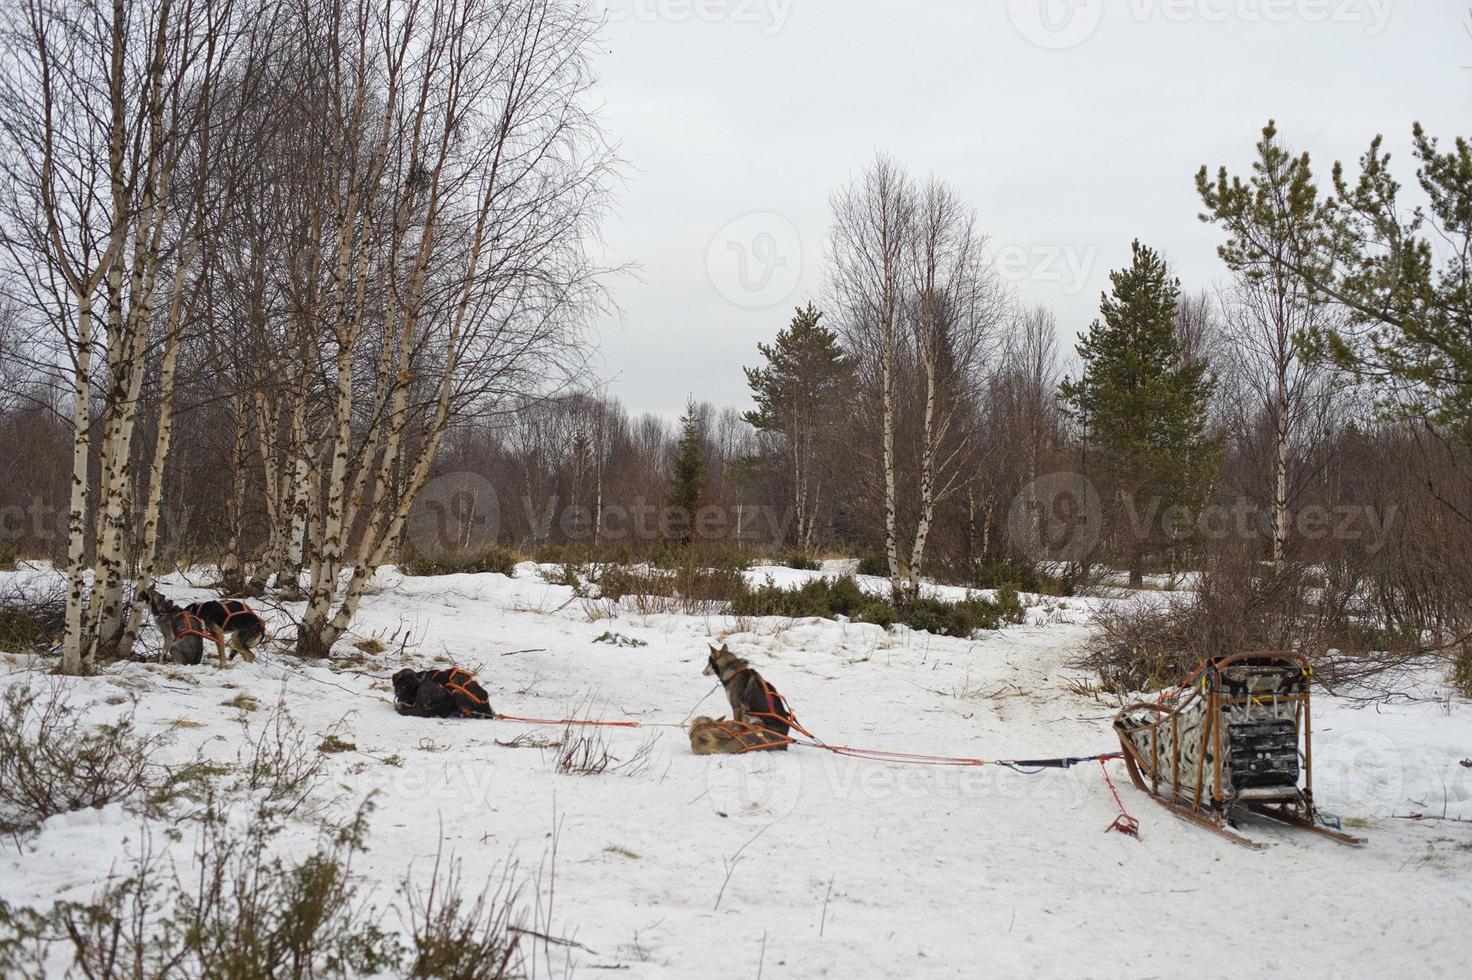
x=1235, y=738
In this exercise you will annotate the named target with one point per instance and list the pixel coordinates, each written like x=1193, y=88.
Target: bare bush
x=281, y=765
x=459, y=936
x=32, y=617
x=1240, y=605
x=243, y=914
x=52, y=761
x=584, y=751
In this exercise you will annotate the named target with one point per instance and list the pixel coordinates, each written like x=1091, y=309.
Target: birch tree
x=444, y=261
x=101, y=102
x=872, y=221
x=919, y=307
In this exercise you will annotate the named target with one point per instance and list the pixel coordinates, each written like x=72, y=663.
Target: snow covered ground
x=805, y=864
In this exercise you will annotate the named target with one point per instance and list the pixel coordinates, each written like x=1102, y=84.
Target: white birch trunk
x=75, y=655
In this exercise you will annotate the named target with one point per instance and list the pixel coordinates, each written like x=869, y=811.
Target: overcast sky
x=1072, y=126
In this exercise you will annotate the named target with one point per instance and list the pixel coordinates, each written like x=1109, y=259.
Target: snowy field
x=805, y=864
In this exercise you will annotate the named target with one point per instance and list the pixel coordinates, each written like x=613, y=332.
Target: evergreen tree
x=1274, y=226
x=687, y=477
x=1402, y=274
x=797, y=392
x=1144, y=405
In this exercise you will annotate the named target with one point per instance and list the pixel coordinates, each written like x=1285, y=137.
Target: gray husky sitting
x=753, y=700
x=184, y=632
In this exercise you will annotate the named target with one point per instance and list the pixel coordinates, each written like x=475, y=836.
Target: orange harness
x=457, y=679
x=244, y=610
x=230, y=615
x=751, y=738
x=193, y=626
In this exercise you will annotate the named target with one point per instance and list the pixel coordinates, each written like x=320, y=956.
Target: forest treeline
x=302, y=289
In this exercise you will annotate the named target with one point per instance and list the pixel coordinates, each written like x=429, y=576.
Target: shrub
x=1239, y=605
x=52, y=762
x=692, y=589
x=799, y=560
x=874, y=564
x=1462, y=671
x=463, y=937
x=31, y=619
x=240, y=912
x=569, y=574
x=709, y=555
x=280, y=766
x=252, y=916
x=7, y=558
x=501, y=561
x=1022, y=578
x=961, y=619
x=830, y=598
x=562, y=554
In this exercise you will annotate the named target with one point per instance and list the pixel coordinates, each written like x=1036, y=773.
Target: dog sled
x=1235, y=739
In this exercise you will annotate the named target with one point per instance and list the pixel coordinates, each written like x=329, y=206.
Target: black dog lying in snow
x=440, y=694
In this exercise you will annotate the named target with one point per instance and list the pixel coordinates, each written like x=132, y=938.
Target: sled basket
x=1235, y=738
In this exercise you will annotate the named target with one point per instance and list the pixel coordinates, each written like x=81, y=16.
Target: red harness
x=777, y=709
x=244, y=610
x=193, y=626
x=462, y=682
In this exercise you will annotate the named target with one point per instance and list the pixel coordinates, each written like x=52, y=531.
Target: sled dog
x=716, y=736
x=752, y=699
x=234, y=619
x=184, y=632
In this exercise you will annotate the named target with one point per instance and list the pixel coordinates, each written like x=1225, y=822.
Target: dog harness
x=463, y=682
x=230, y=613
x=750, y=738
x=193, y=626
x=776, y=707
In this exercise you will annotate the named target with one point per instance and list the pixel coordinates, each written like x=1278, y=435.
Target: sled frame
x=1206, y=803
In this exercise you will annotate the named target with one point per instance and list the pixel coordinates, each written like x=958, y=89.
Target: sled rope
x=1124, y=823
x=588, y=723
x=911, y=758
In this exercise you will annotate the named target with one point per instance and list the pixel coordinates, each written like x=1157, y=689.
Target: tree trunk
x=75, y=655
x=927, y=474
x=1280, y=494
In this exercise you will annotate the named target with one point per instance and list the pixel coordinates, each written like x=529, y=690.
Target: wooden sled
x=1236, y=739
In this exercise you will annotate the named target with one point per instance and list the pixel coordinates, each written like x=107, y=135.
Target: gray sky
x=1073, y=126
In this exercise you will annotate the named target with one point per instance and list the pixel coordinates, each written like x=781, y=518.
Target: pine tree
x=796, y=395
x=1401, y=273
x=1272, y=221
x=687, y=476
x=1144, y=404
